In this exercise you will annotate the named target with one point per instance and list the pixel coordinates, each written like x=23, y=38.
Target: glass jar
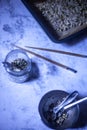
x=18, y=65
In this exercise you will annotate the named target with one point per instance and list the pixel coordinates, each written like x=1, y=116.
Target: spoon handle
x=69, y=99
x=74, y=103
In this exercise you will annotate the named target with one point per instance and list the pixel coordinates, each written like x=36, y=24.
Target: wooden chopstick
x=49, y=60
x=58, y=51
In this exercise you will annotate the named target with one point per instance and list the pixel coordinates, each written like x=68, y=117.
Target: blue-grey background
x=19, y=102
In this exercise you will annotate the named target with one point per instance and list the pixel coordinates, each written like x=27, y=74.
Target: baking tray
x=60, y=19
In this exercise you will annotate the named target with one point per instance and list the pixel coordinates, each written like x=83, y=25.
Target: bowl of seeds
x=46, y=106
x=18, y=65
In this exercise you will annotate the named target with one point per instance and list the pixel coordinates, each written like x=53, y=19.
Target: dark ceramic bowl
x=48, y=101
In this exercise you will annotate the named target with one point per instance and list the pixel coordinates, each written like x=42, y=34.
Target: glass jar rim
x=21, y=72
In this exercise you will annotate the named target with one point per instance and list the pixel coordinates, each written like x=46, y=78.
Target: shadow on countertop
x=34, y=72
x=77, y=38
x=82, y=120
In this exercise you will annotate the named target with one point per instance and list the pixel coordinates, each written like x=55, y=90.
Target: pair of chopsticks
x=52, y=61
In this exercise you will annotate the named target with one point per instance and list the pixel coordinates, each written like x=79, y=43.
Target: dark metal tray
x=59, y=25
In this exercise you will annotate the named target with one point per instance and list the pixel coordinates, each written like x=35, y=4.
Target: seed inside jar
x=18, y=64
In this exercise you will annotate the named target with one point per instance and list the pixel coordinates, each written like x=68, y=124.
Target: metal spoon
x=69, y=99
x=74, y=103
x=67, y=103
x=7, y=65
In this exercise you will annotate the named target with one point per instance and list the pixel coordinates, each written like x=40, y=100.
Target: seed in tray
x=64, y=15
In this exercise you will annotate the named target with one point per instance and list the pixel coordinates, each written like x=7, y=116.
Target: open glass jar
x=18, y=65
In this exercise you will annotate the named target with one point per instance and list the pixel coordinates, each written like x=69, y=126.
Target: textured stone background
x=19, y=102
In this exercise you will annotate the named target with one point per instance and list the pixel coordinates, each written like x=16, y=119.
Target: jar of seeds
x=18, y=65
